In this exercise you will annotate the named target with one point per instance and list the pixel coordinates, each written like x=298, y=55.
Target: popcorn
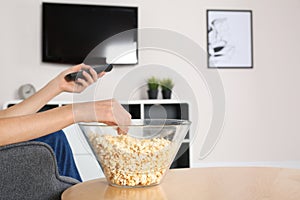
x=128, y=161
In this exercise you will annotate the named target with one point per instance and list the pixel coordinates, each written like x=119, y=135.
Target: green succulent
x=166, y=84
x=153, y=83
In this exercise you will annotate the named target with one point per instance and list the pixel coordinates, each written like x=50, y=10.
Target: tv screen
x=71, y=31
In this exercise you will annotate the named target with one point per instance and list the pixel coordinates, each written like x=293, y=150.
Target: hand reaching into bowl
x=110, y=112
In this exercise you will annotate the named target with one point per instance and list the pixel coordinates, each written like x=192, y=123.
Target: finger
x=112, y=124
x=81, y=83
x=101, y=74
x=88, y=78
x=109, y=123
x=94, y=74
x=86, y=67
x=75, y=68
x=122, y=131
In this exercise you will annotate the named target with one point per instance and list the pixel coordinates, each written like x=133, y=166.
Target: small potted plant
x=166, y=88
x=153, y=84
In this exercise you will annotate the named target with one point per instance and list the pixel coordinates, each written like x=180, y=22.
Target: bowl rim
x=178, y=122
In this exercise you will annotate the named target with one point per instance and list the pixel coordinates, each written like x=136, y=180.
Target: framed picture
x=229, y=39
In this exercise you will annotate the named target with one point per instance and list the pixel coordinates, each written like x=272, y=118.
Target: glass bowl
x=141, y=157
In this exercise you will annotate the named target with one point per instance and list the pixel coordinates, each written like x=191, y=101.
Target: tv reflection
x=118, y=49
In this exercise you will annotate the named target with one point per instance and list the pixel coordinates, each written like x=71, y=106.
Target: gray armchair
x=29, y=171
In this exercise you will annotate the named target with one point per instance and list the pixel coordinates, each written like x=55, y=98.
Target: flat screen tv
x=71, y=31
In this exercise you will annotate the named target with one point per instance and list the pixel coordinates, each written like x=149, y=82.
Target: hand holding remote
x=98, y=68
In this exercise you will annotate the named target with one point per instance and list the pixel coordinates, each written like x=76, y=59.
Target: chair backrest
x=29, y=171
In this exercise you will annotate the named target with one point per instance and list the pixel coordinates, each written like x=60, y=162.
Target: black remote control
x=98, y=68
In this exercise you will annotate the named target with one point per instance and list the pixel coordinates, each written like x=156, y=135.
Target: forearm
x=52, y=89
x=33, y=103
x=24, y=128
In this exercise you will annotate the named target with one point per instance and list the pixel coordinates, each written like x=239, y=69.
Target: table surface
x=232, y=183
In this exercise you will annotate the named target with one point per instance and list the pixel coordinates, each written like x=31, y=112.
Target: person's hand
x=80, y=84
x=110, y=112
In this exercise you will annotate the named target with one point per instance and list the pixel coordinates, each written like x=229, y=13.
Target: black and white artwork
x=229, y=38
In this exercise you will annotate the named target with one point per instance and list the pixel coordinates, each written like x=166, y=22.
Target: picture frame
x=229, y=39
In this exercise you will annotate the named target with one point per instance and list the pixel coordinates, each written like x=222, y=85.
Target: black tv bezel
x=46, y=59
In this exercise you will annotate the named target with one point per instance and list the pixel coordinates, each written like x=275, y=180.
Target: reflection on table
x=234, y=183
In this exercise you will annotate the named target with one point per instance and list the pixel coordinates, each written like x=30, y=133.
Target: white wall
x=262, y=104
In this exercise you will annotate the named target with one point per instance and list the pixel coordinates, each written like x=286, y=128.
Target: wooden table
x=228, y=183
